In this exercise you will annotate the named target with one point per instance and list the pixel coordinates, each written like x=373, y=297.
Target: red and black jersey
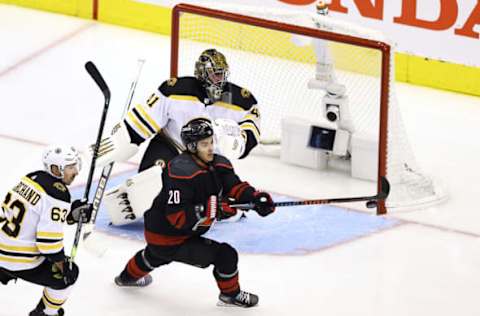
x=188, y=182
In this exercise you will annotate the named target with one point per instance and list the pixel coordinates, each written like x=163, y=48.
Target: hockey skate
x=142, y=282
x=242, y=299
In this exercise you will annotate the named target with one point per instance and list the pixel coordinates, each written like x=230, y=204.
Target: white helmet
x=60, y=156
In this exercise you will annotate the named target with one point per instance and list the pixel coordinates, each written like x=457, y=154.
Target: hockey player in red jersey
x=198, y=187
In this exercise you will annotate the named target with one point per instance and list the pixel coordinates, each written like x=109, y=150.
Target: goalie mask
x=60, y=156
x=212, y=70
x=195, y=131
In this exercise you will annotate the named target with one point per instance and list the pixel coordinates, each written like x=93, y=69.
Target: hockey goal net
x=274, y=53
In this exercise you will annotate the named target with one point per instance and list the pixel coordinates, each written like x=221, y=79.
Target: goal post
x=363, y=61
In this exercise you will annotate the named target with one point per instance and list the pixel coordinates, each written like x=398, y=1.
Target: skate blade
x=223, y=304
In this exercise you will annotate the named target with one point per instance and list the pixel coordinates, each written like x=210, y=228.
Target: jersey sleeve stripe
x=251, y=127
x=52, y=248
x=19, y=260
x=34, y=253
x=143, y=121
x=183, y=98
x=45, y=240
x=148, y=118
x=50, y=235
x=228, y=106
x=18, y=248
x=33, y=184
x=131, y=118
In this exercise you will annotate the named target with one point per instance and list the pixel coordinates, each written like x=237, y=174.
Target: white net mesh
x=277, y=66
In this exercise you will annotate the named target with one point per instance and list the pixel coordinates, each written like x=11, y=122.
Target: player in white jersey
x=31, y=229
x=232, y=109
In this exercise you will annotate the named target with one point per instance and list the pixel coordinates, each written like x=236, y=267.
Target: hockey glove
x=263, y=203
x=61, y=271
x=224, y=210
x=206, y=213
x=78, y=207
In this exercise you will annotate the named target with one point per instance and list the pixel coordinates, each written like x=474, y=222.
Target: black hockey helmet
x=194, y=131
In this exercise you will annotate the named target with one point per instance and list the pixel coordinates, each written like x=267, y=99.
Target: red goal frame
x=384, y=48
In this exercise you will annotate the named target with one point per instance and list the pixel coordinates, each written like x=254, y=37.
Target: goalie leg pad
x=128, y=202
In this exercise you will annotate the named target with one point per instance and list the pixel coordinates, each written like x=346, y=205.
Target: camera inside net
x=332, y=112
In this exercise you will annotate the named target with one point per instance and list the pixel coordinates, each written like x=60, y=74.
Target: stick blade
x=385, y=188
x=95, y=74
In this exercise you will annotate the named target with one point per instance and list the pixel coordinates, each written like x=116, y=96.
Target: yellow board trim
x=139, y=125
x=148, y=117
x=34, y=184
x=183, y=97
x=155, y=18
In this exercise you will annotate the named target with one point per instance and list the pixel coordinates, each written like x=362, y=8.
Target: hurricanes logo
x=171, y=82
x=245, y=93
x=59, y=186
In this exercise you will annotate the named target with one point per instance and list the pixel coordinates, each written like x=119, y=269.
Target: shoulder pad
x=242, y=97
x=54, y=187
x=222, y=162
x=181, y=86
x=184, y=167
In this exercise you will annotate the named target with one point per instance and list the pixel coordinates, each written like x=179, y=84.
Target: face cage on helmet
x=205, y=72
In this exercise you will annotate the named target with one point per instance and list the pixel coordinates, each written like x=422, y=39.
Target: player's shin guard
x=136, y=272
x=225, y=271
x=227, y=282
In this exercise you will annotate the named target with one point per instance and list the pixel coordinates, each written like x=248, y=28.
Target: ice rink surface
x=424, y=262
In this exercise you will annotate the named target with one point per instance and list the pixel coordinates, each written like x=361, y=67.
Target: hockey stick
x=95, y=74
x=106, y=171
x=371, y=200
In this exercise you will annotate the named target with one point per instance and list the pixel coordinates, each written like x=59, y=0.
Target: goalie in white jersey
x=232, y=109
x=31, y=229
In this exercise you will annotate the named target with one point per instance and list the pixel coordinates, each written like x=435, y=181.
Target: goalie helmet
x=194, y=131
x=60, y=156
x=212, y=70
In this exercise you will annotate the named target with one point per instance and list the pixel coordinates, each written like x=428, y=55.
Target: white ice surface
x=428, y=266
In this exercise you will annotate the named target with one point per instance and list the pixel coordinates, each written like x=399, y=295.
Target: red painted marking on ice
x=42, y=50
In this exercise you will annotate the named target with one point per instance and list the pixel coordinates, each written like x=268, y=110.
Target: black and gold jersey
x=31, y=221
x=179, y=100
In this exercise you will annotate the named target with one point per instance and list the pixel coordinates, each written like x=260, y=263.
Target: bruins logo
x=59, y=186
x=171, y=82
x=245, y=93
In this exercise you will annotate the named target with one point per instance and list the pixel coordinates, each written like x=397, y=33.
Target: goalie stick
x=95, y=74
x=371, y=200
x=102, y=182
